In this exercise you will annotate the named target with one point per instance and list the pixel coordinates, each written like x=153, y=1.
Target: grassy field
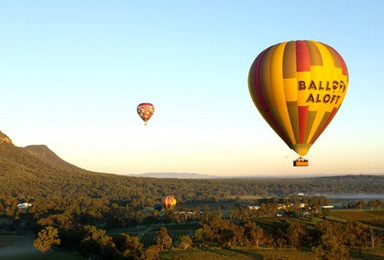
x=261, y=253
x=370, y=217
x=236, y=253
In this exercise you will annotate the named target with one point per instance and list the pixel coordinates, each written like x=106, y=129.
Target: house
x=254, y=207
x=24, y=205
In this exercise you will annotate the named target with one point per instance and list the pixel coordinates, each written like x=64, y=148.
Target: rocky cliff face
x=4, y=138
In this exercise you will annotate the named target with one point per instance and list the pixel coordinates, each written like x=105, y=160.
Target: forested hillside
x=35, y=171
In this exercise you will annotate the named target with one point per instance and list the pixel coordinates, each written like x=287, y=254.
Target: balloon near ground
x=145, y=111
x=168, y=202
x=298, y=87
x=157, y=207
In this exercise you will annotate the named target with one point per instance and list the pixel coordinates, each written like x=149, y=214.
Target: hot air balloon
x=168, y=202
x=298, y=87
x=157, y=207
x=145, y=111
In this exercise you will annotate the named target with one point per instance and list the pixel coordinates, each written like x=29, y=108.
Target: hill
x=36, y=171
x=4, y=138
x=44, y=153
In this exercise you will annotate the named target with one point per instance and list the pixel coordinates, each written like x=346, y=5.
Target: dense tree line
x=27, y=177
x=327, y=239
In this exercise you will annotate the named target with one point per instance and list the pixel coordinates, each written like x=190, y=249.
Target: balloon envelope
x=145, y=111
x=157, y=207
x=298, y=87
x=168, y=202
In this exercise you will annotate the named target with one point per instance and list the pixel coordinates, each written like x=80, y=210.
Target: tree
x=200, y=236
x=152, y=253
x=372, y=204
x=271, y=208
x=207, y=213
x=227, y=236
x=46, y=238
x=163, y=240
x=372, y=237
x=97, y=244
x=253, y=233
x=315, y=203
x=295, y=233
x=185, y=242
x=129, y=247
x=239, y=234
x=379, y=204
x=332, y=244
x=358, y=234
x=360, y=204
x=219, y=213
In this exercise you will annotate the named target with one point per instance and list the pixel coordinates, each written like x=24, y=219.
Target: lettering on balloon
x=326, y=91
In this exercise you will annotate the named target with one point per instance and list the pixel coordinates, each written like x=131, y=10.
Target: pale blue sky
x=73, y=72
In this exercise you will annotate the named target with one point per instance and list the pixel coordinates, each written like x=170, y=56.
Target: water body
x=353, y=196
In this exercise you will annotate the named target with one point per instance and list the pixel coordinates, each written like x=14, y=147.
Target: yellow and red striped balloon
x=298, y=87
x=145, y=111
x=168, y=202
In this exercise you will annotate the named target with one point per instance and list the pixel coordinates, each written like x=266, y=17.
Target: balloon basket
x=300, y=162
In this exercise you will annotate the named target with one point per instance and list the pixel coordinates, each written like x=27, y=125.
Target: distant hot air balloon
x=157, y=207
x=168, y=202
x=145, y=111
x=298, y=87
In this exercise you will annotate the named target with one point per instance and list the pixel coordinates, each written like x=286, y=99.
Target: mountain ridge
x=43, y=152
x=31, y=157
x=37, y=172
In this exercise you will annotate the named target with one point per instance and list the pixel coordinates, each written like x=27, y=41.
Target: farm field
x=175, y=231
x=147, y=234
x=369, y=217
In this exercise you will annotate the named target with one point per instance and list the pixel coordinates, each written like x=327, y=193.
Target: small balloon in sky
x=298, y=87
x=145, y=111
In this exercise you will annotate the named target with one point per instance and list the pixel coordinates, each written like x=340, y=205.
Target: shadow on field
x=21, y=248
x=15, y=246
x=247, y=253
x=229, y=253
x=371, y=254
